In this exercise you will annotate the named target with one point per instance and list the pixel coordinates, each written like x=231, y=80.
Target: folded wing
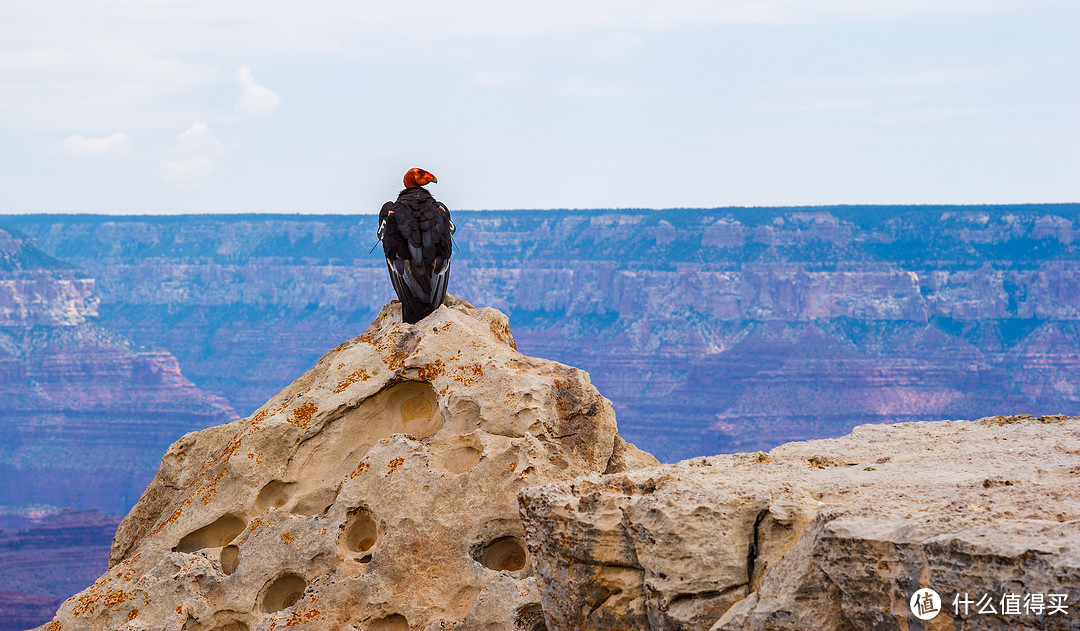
x=416, y=241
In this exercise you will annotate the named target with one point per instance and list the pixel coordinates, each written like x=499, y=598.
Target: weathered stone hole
x=230, y=558
x=282, y=592
x=530, y=618
x=276, y=494
x=216, y=535
x=315, y=503
x=417, y=408
x=365, y=559
x=459, y=459
x=464, y=415
x=395, y=622
x=361, y=531
x=504, y=553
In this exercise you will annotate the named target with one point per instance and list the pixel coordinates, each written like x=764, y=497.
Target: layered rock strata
x=711, y=330
x=42, y=565
x=827, y=534
x=86, y=413
x=377, y=492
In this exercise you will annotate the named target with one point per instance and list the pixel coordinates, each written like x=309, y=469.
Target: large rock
x=376, y=492
x=828, y=534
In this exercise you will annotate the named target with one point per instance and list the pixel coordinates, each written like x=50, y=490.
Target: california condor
x=416, y=235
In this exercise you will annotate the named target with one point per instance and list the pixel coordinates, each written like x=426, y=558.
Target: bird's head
x=418, y=177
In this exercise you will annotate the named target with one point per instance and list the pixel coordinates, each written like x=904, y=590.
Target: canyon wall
x=86, y=412
x=710, y=330
x=44, y=564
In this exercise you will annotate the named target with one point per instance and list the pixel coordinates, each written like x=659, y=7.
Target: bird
x=416, y=233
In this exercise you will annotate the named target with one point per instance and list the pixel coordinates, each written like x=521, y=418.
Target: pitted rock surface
x=376, y=492
x=824, y=534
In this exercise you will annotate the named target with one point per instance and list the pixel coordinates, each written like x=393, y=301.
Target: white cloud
x=193, y=163
x=189, y=170
x=198, y=139
x=254, y=98
x=118, y=144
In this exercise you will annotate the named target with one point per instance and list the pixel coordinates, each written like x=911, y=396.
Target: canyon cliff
x=712, y=331
x=86, y=412
x=44, y=563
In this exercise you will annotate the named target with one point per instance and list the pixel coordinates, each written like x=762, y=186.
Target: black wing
x=417, y=245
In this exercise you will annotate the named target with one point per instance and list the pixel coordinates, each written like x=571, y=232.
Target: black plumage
x=416, y=234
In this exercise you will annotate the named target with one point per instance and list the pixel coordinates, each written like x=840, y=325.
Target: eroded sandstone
x=376, y=492
x=827, y=534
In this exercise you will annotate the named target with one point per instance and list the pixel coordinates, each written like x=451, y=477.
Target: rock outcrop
x=827, y=534
x=377, y=492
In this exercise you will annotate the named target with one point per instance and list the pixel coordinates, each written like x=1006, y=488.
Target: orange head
x=418, y=177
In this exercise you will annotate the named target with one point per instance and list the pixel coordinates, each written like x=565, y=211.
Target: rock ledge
x=824, y=534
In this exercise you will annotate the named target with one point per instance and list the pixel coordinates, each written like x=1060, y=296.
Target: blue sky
x=137, y=106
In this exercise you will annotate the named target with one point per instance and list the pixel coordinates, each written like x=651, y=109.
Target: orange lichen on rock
x=301, y=416
x=207, y=490
x=134, y=613
x=503, y=334
x=233, y=445
x=95, y=593
x=287, y=538
x=117, y=597
x=394, y=464
x=53, y=626
x=300, y=615
x=428, y=372
x=361, y=467
x=171, y=519
x=354, y=376
x=467, y=375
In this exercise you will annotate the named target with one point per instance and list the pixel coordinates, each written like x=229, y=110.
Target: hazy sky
x=161, y=106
